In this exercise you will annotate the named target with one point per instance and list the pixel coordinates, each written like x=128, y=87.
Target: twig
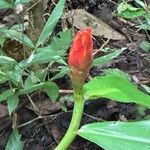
x=32, y=6
x=113, y=2
x=105, y=43
x=29, y=122
x=95, y=118
x=32, y=103
x=66, y=91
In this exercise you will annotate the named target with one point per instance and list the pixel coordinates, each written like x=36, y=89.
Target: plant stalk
x=75, y=122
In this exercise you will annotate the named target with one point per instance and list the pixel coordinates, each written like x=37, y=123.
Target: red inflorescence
x=80, y=56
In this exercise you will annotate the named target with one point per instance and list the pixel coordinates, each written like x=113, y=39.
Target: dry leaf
x=81, y=19
x=45, y=107
x=3, y=110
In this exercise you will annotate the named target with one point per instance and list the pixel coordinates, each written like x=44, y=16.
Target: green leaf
x=52, y=52
x=59, y=44
x=2, y=40
x=12, y=103
x=105, y=59
x=14, y=142
x=145, y=45
x=116, y=72
x=14, y=74
x=7, y=93
x=3, y=77
x=51, y=22
x=64, y=70
x=144, y=26
x=118, y=135
x=40, y=58
x=52, y=90
x=15, y=35
x=31, y=81
x=142, y=4
x=34, y=78
x=30, y=89
x=115, y=88
x=147, y=17
x=7, y=60
x=126, y=10
x=5, y=4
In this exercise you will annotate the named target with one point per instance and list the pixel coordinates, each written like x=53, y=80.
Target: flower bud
x=80, y=56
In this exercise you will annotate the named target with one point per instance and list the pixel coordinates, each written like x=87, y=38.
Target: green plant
x=113, y=85
x=127, y=11
x=24, y=80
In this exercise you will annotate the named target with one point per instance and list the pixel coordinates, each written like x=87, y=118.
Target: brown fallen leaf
x=81, y=19
x=3, y=110
x=45, y=107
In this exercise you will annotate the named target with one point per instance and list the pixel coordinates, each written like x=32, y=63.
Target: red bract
x=80, y=56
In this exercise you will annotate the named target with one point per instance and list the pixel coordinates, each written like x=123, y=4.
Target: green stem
x=75, y=122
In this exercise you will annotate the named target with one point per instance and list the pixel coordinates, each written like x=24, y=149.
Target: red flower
x=80, y=56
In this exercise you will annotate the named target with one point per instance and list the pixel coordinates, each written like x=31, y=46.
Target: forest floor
x=43, y=133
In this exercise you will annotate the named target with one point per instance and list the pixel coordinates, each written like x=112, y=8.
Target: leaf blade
x=4, y=4
x=14, y=142
x=4, y=95
x=13, y=34
x=105, y=59
x=52, y=90
x=51, y=23
x=109, y=135
x=12, y=103
x=115, y=88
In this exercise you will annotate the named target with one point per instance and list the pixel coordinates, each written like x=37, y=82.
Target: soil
x=44, y=133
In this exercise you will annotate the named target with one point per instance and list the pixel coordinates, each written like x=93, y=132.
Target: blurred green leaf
x=34, y=78
x=147, y=17
x=7, y=93
x=144, y=26
x=31, y=81
x=116, y=72
x=49, y=87
x=14, y=142
x=7, y=60
x=142, y=4
x=14, y=74
x=2, y=40
x=15, y=35
x=51, y=22
x=59, y=43
x=12, y=103
x=52, y=52
x=115, y=88
x=62, y=41
x=145, y=45
x=52, y=90
x=5, y=4
x=40, y=58
x=3, y=77
x=30, y=89
x=105, y=59
x=127, y=11
x=64, y=70
x=21, y=27
x=118, y=135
